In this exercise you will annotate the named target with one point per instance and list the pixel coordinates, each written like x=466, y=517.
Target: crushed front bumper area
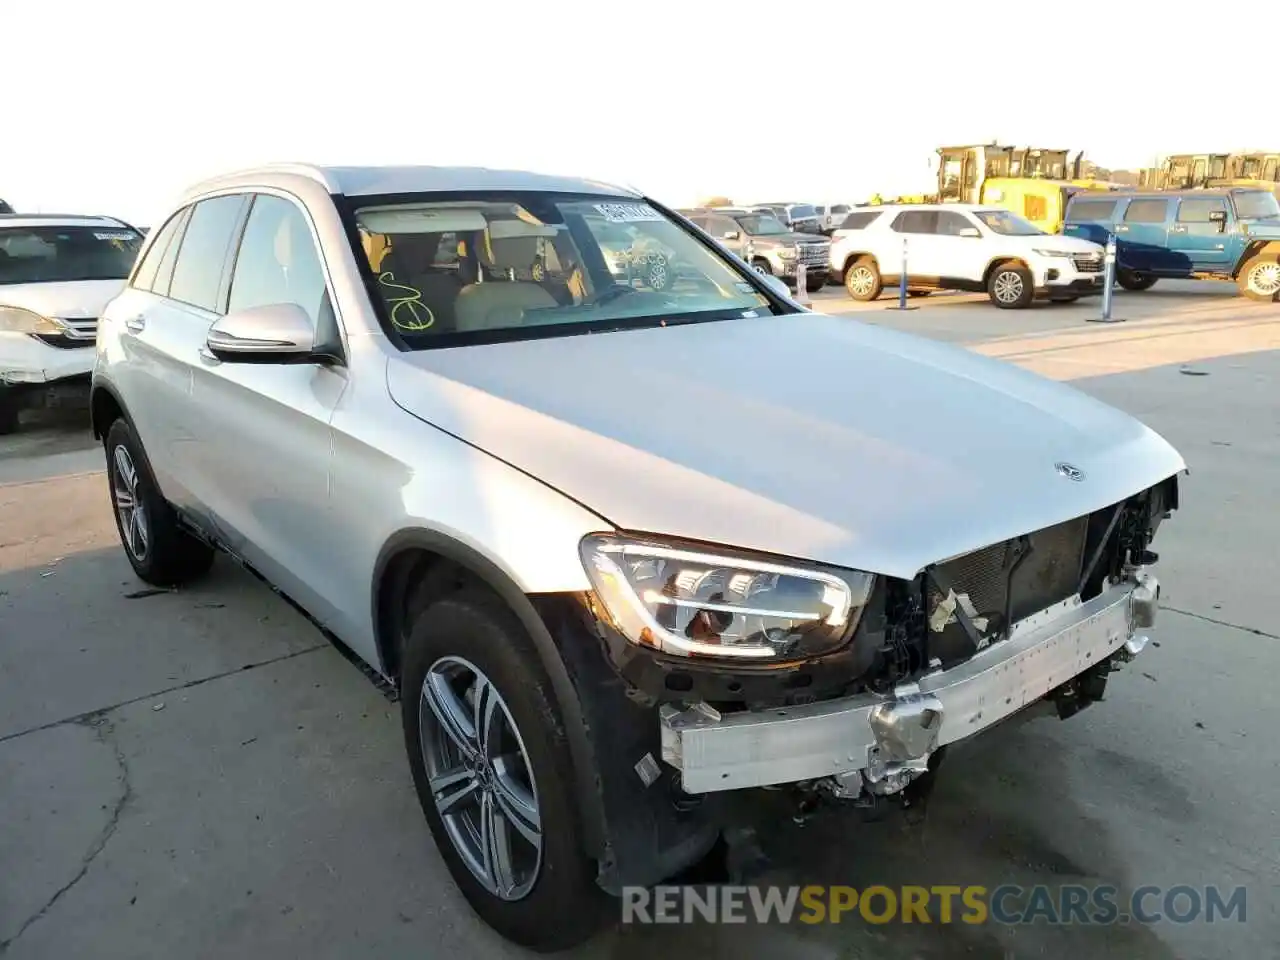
x=882, y=742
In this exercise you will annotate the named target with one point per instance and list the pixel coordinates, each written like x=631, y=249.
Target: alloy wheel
x=480, y=777
x=862, y=281
x=1008, y=286
x=1264, y=279
x=134, y=529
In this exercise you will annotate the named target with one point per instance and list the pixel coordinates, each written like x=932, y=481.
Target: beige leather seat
x=497, y=303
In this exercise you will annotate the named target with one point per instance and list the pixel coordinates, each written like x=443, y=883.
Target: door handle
x=1121, y=228
x=1178, y=229
x=136, y=324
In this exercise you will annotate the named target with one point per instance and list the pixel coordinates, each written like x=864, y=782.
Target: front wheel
x=1134, y=280
x=1011, y=286
x=493, y=772
x=1069, y=299
x=762, y=267
x=1260, y=279
x=862, y=280
x=8, y=412
x=814, y=284
x=159, y=550
x=918, y=293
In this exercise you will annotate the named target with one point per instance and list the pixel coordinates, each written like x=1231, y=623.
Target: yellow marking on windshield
x=419, y=316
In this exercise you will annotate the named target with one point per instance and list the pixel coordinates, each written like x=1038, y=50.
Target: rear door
x=913, y=238
x=1143, y=235
x=1198, y=238
x=263, y=445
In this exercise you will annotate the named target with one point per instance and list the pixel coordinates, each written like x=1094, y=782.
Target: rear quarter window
x=1091, y=211
x=859, y=221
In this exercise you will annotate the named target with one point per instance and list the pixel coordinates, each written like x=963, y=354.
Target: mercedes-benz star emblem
x=1070, y=471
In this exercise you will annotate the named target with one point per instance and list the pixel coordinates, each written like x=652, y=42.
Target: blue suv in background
x=1227, y=234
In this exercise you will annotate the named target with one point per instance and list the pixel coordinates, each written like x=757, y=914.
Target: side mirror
x=972, y=232
x=730, y=235
x=776, y=285
x=1220, y=218
x=272, y=333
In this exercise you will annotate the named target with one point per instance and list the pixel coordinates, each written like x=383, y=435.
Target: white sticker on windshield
x=114, y=236
x=628, y=212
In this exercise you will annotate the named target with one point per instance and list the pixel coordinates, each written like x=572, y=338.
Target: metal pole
x=902, y=284
x=1108, y=283
x=802, y=285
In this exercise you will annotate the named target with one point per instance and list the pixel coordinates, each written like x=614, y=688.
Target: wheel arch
x=416, y=565
x=105, y=406
x=1254, y=249
x=997, y=262
x=851, y=258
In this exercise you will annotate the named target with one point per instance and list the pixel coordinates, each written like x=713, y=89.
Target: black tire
x=918, y=293
x=762, y=266
x=862, y=281
x=1135, y=281
x=1011, y=286
x=814, y=284
x=1257, y=277
x=8, y=413
x=164, y=555
x=564, y=907
x=1063, y=299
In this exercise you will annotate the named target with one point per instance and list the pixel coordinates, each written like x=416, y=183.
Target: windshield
x=803, y=212
x=516, y=265
x=1006, y=223
x=1257, y=205
x=59, y=254
x=761, y=225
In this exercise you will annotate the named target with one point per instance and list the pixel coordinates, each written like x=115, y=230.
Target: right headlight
x=788, y=253
x=20, y=320
x=706, y=602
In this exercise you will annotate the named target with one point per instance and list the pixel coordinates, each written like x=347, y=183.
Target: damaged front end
x=864, y=718
x=1042, y=618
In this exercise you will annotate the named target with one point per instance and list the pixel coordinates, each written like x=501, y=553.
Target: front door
x=264, y=443
x=1198, y=239
x=915, y=242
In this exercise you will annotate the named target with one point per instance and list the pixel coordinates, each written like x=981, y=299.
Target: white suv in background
x=960, y=247
x=56, y=275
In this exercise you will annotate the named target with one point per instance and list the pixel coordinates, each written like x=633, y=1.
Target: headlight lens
x=1055, y=253
x=18, y=320
x=691, y=602
x=788, y=253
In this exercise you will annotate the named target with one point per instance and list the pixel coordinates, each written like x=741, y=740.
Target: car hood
x=1055, y=241
x=804, y=435
x=74, y=299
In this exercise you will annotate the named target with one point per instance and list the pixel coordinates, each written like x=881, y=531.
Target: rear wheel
x=1135, y=280
x=491, y=764
x=862, y=280
x=1011, y=286
x=159, y=550
x=1260, y=279
x=1069, y=299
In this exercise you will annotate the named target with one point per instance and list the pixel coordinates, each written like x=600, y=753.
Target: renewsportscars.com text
x=1006, y=904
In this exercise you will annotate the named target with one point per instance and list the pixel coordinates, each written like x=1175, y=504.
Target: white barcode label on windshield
x=627, y=212
x=114, y=236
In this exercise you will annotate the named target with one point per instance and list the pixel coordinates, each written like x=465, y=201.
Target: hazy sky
x=112, y=106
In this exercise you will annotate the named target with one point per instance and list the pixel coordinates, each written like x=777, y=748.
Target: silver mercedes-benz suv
x=620, y=549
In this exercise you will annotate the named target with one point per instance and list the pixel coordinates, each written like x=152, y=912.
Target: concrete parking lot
x=198, y=773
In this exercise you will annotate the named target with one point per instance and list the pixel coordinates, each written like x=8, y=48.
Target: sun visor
x=512, y=229
x=401, y=219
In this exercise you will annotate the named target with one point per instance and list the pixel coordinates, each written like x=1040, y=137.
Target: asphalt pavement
x=197, y=773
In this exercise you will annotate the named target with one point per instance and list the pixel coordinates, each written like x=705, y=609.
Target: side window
x=840, y=208
x=859, y=221
x=719, y=226
x=915, y=221
x=145, y=276
x=1091, y=211
x=197, y=276
x=164, y=276
x=277, y=261
x=1198, y=210
x=950, y=224
x=1146, y=211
